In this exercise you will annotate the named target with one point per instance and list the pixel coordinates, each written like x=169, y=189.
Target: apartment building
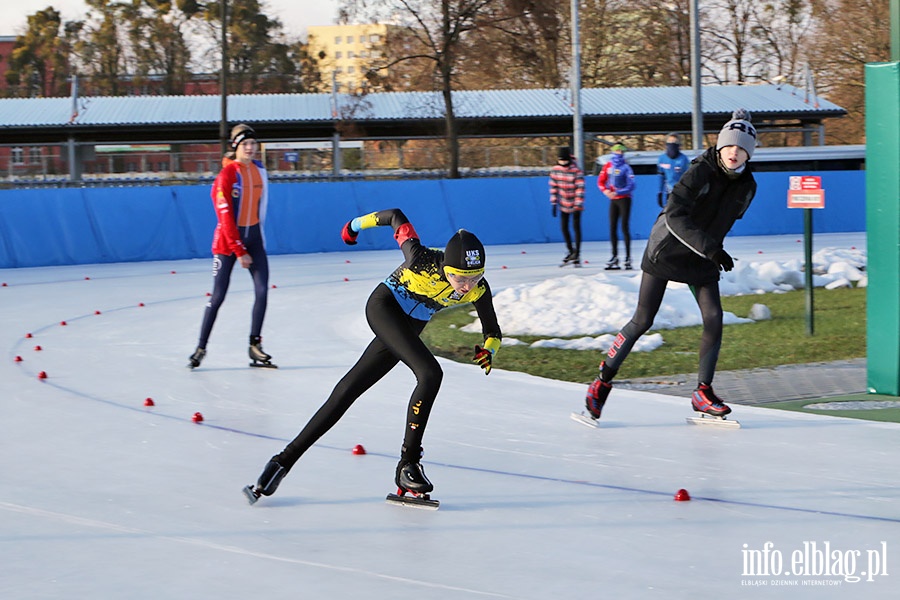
x=347, y=52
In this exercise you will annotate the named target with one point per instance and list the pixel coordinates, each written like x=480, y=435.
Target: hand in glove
x=553, y=210
x=348, y=235
x=483, y=358
x=723, y=260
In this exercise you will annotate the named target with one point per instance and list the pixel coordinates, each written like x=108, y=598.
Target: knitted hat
x=241, y=132
x=464, y=253
x=738, y=132
x=618, y=148
x=564, y=153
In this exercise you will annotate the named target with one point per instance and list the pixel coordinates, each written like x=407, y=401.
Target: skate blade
x=424, y=501
x=586, y=420
x=705, y=419
x=262, y=365
x=251, y=494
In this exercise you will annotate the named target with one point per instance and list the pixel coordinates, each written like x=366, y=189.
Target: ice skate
x=594, y=401
x=571, y=256
x=267, y=483
x=612, y=264
x=627, y=265
x=259, y=358
x=710, y=408
x=196, y=358
x=411, y=479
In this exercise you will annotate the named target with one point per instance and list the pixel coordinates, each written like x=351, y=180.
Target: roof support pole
x=575, y=83
x=697, y=119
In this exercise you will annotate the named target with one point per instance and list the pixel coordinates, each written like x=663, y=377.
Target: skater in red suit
x=240, y=195
x=398, y=310
x=686, y=245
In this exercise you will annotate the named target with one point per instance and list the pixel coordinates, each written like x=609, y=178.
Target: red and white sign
x=805, y=191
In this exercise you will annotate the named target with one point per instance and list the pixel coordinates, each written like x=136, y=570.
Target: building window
x=351, y=69
x=349, y=39
x=338, y=54
x=337, y=40
x=18, y=156
x=375, y=38
x=35, y=155
x=351, y=54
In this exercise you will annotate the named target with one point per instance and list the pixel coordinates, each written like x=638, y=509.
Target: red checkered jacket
x=567, y=187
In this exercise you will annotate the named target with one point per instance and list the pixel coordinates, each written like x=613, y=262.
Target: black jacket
x=701, y=210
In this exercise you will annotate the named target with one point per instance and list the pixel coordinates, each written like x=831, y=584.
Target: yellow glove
x=485, y=356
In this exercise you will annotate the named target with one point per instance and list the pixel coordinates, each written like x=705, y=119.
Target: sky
x=296, y=15
x=105, y=495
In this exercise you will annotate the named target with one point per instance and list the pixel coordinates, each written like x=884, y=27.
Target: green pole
x=883, y=227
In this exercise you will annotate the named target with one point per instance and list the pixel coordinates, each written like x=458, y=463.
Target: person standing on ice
x=686, y=245
x=398, y=310
x=567, y=194
x=616, y=181
x=240, y=195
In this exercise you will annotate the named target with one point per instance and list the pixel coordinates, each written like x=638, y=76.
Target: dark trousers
x=650, y=298
x=259, y=271
x=396, y=339
x=576, y=227
x=620, y=208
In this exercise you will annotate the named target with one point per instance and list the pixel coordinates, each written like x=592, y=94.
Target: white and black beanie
x=739, y=131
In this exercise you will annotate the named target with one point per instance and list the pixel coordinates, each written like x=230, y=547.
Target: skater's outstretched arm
x=393, y=217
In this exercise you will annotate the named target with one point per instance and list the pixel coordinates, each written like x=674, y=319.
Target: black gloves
x=553, y=209
x=722, y=259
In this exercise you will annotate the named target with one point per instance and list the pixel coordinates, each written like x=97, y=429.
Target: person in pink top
x=567, y=194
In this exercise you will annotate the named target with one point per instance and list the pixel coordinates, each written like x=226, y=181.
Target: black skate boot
x=627, y=265
x=705, y=401
x=410, y=475
x=576, y=260
x=410, y=478
x=196, y=358
x=612, y=264
x=267, y=483
x=259, y=358
x=569, y=258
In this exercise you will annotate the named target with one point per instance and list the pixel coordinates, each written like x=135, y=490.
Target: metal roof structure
x=403, y=115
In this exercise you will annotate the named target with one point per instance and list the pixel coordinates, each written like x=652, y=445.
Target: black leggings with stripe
x=650, y=298
x=396, y=339
x=259, y=272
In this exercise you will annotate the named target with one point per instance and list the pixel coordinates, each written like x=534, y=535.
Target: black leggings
x=222, y=267
x=396, y=339
x=576, y=226
x=650, y=298
x=620, y=208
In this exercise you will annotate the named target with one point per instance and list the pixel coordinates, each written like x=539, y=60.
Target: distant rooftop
x=406, y=114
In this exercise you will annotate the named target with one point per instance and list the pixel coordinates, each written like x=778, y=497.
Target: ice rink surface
x=104, y=497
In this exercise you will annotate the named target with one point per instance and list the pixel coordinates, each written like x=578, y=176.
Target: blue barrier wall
x=43, y=227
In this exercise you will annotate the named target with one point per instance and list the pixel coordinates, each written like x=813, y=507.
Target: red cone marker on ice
x=149, y=402
x=682, y=495
x=42, y=375
x=197, y=418
x=358, y=449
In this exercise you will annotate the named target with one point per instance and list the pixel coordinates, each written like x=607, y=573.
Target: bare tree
x=848, y=34
x=431, y=32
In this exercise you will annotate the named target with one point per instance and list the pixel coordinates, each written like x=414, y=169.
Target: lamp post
x=223, y=80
